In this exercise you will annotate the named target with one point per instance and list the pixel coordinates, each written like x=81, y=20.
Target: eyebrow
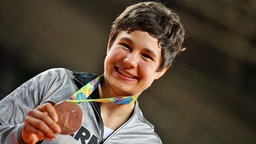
x=146, y=49
x=126, y=39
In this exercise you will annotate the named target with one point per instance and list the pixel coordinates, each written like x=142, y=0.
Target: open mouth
x=124, y=73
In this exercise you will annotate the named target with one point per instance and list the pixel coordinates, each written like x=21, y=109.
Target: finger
x=44, y=116
x=47, y=107
x=40, y=121
x=30, y=134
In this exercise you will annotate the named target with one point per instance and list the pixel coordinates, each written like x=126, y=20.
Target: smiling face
x=131, y=63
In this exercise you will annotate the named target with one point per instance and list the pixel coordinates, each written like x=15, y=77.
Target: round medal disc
x=70, y=117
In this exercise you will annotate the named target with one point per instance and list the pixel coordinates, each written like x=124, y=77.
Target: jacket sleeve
x=15, y=106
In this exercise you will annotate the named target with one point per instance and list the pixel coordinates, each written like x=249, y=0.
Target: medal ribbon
x=82, y=94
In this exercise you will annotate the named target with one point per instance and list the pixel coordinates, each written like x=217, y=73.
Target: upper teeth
x=125, y=73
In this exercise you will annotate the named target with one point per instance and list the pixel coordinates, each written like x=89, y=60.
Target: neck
x=113, y=115
x=105, y=91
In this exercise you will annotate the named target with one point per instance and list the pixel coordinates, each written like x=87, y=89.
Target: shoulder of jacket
x=144, y=125
x=79, y=78
x=55, y=73
x=140, y=116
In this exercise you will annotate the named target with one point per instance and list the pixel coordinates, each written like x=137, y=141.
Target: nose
x=131, y=60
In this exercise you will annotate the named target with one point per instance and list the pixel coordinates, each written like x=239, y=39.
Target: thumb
x=33, y=139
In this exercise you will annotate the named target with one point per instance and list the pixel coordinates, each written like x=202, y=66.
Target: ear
x=161, y=73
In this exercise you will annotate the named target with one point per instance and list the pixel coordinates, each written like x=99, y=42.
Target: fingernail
x=57, y=129
x=55, y=118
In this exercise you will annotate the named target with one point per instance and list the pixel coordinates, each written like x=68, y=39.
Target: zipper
x=111, y=135
x=100, y=119
x=101, y=125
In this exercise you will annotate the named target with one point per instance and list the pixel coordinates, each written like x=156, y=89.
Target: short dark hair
x=156, y=19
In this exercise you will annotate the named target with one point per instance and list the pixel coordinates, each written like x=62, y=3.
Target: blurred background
x=207, y=97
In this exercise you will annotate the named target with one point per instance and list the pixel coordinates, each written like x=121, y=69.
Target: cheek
x=107, y=61
x=148, y=71
x=117, y=54
x=148, y=78
x=112, y=57
x=147, y=67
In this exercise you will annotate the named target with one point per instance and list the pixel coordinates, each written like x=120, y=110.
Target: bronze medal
x=70, y=117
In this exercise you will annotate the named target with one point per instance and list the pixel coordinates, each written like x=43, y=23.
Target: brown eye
x=147, y=56
x=126, y=46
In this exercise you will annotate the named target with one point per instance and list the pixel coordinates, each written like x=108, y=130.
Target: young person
x=143, y=43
